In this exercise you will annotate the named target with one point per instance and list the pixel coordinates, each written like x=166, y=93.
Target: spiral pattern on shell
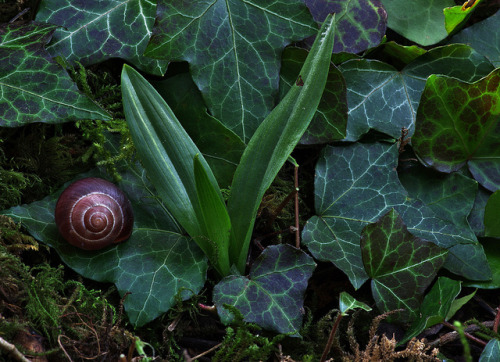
x=93, y=213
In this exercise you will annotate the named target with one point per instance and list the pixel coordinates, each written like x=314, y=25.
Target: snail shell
x=93, y=213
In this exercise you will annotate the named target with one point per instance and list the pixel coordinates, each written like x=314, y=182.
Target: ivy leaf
x=459, y=123
x=272, y=295
x=221, y=147
x=33, y=87
x=361, y=24
x=476, y=216
x=92, y=31
x=435, y=306
x=155, y=264
x=421, y=21
x=233, y=48
x=400, y=264
x=354, y=186
x=491, y=216
x=329, y=122
x=384, y=99
x=451, y=196
x=484, y=37
x=491, y=352
x=347, y=302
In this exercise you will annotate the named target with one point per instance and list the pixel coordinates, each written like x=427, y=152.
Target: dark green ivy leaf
x=354, y=186
x=421, y=21
x=484, y=37
x=400, y=264
x=155, y=264
x=492, y=216
x=491, y=353
x=272, y=295
x=33, y=87
x=92, y=31
x=458, y=123
x=233, y=48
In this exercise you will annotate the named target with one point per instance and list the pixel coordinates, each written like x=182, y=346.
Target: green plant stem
x=329, y=343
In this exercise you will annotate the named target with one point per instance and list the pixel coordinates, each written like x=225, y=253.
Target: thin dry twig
x=12, y=350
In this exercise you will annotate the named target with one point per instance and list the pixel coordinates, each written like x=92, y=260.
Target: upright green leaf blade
x=216, y=220
x=347, y=302
x=274, y=140
x=165, y=150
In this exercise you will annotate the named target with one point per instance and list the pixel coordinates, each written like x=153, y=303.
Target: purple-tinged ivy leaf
x=272, y=296
x=361, y=24
x=400, y=264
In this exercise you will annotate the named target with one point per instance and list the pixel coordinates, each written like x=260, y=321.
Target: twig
x=451, y=336
x=62, y=347
x=204, y=353
x=497, y=321
x=297, y=227
x=468, y=335
x=19, y=15
x=329, y=343
x=12, y=351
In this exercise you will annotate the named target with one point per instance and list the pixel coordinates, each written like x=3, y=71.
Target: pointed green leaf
x=33, y=87
x=492, y=216
x=272, y=295
x=400, y=264
x=347, y=302
x=435, y=306
x=456, y=16
x=92, y=31
x=233, y=49
x=274, y=141
x=354, y=186
x=459, y=123
x=215, y=218
x=165, y=150
x=330, y=120
x=155, y=264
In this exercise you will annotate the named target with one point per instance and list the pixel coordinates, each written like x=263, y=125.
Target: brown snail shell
x=93, y=213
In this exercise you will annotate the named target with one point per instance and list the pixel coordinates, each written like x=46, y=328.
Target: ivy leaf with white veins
x=272, y=295
x=354, y=186
x=33, y=87
x=233, y=48
x=384, y=99
x=92, y=31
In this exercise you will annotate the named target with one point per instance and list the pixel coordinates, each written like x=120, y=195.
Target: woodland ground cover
x=391, y=237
